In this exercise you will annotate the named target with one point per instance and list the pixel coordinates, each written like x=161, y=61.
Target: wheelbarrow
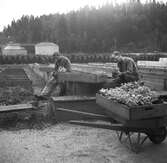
x=132, y=128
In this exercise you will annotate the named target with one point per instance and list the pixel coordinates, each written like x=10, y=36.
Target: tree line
x=130, y=27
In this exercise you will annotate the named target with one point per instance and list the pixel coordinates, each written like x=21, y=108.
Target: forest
x=129, y=27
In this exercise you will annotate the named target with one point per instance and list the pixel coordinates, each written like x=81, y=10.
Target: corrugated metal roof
x=14, y=47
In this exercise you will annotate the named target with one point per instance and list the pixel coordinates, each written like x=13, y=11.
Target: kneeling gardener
x=128, y=71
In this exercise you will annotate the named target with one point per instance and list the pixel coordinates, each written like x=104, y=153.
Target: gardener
x=128, y=71
x=62, y=64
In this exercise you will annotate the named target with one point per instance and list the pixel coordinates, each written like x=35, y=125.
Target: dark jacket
x=128, y=69
x=64, y=62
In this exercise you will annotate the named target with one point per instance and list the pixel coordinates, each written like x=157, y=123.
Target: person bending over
x=62, y=64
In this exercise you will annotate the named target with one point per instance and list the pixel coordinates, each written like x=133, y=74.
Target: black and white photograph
x=83, y=81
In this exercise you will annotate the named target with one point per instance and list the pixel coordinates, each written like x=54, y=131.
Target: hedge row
x=20, y=59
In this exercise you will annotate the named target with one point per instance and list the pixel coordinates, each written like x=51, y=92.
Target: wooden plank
x=157, y=67
x=138, y=127
x=107, y=67
x=87, y=89
x=153, y=68
x=153, y=79
x=70, y=89
x=68, y=115
x=72, y=98
x=154, y=86
x=93, y=115
x=144, y=112
x=82, y=89
x=89, y=106
x=81, y=77
x=137, y=113
x=151, y=123
x=86, y=68
x=18, y=107
x=116, y=127
x=154, y=82
x=152, y=76
x=157, y=71
x=153, y=71
x=121, y=110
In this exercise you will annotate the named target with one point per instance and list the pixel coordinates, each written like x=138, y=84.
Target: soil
x=15, y=95
x=65, y=143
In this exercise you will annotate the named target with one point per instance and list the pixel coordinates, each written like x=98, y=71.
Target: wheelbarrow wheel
x=158, y=136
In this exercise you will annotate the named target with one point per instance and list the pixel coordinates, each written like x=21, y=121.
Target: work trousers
x=53, y=87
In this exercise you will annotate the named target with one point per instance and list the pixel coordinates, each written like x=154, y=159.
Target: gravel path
x=66, y=143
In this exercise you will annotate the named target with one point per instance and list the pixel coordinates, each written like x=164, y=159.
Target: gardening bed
x=15, y=106
x=15, y=95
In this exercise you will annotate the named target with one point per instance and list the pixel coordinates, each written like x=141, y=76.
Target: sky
x=14, y=9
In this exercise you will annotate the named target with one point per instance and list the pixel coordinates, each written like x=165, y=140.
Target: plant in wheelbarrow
x=130, y=94
x=137, y=108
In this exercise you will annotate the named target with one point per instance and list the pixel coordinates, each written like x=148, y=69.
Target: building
x=30, y=47
x=14, y=49
x=46, y=48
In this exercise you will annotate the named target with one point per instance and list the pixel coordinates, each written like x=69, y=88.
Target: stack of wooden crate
x=154, y=74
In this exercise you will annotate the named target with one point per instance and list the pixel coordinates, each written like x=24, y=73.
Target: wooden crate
x=81, y=77
x=153, y=82
x=67, y=108
x=155, y=78
x=155, y=71
x=128, y=113
x=79, y=88
x=154, y=85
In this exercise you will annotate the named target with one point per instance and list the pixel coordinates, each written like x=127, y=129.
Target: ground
x=65, y=143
